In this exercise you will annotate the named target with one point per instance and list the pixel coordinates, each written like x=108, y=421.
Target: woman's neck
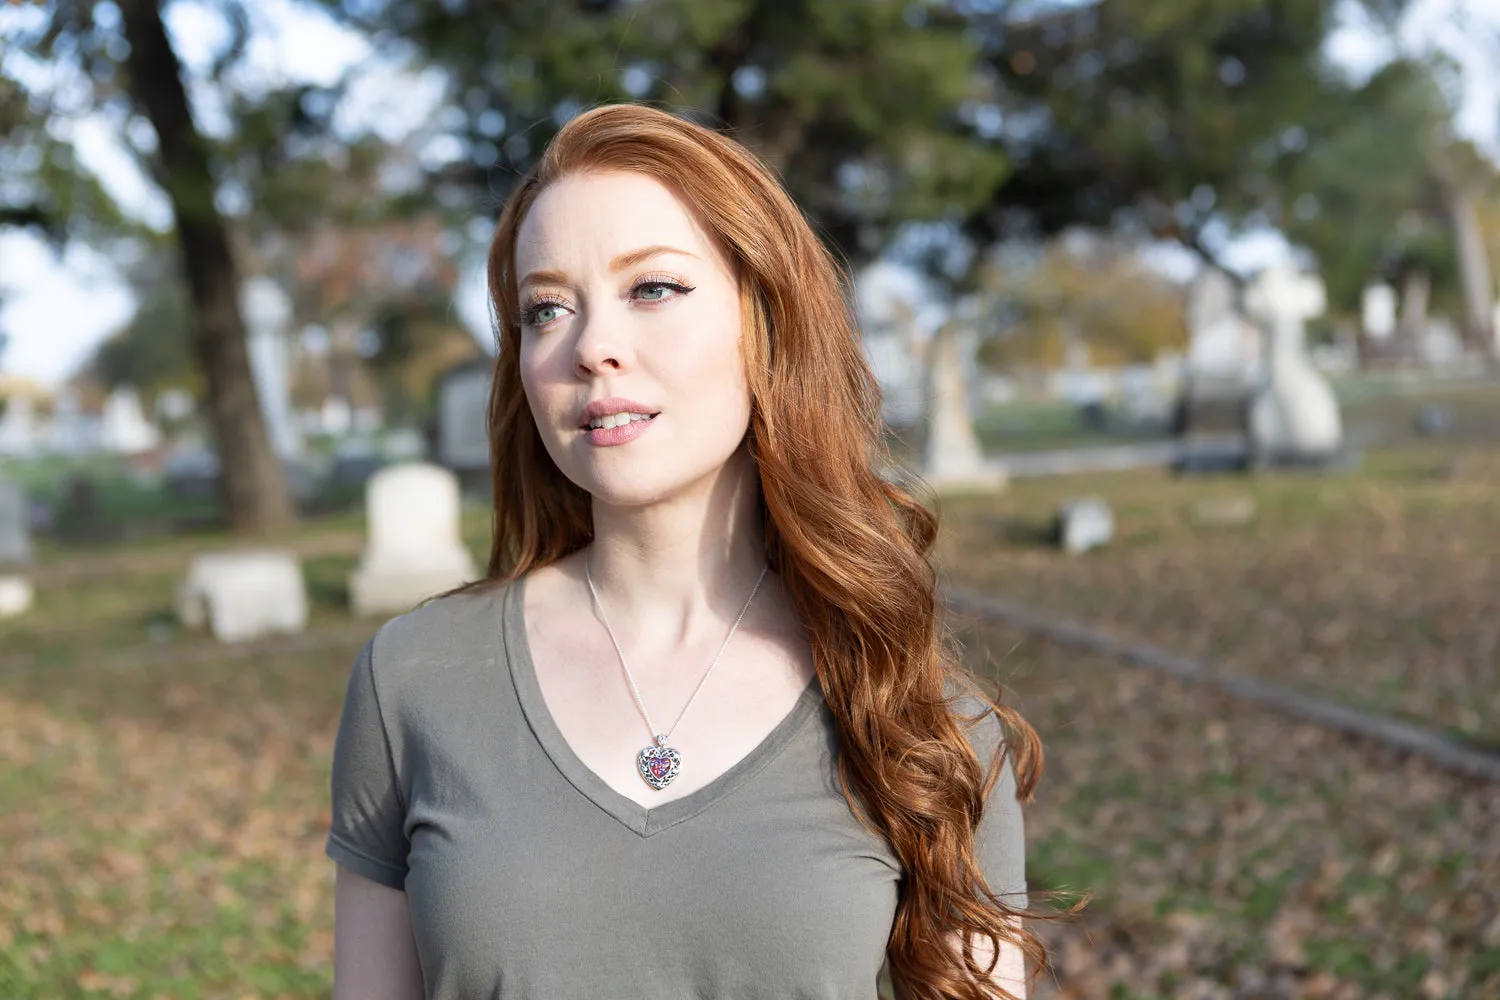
x=682, y=565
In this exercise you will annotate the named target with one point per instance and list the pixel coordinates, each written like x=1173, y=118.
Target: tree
x=254, y=489
x=1178, y=119
x=858, y=103
x=1080, y=289
x=125, y=53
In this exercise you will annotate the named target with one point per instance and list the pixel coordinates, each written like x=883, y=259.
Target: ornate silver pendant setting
x=658, y=764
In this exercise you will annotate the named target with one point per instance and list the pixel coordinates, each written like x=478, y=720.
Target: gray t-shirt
x=528, y=877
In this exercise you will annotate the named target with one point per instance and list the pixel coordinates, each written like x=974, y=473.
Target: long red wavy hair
x=851, y=548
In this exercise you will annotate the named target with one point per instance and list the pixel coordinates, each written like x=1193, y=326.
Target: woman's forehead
x=587, y=220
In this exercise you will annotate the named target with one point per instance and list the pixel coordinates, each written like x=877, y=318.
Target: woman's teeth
x=617, y=420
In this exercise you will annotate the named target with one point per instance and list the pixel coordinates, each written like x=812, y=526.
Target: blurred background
x=1185, y=308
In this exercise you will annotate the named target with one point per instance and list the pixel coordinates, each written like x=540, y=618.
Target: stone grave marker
x=951, y=457
x=268, y=310
x=1378, y=311
x=15, y=550
x=463, y=433
x=123, y=428
x=413, y=549
x=1295, y=418
x=1084, y=523
x=1220, y=373
x=244, y=595
x=20, y=433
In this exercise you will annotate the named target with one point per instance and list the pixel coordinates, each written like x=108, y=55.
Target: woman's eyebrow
x=632, y=257
x=627, y=259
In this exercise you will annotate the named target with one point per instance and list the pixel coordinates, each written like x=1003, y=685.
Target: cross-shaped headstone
x=1284, y=298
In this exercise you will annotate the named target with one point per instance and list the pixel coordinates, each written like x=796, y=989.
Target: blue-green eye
x=543, y=312
x=658, y=290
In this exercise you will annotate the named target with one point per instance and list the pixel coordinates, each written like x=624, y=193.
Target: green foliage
x=856, y=102
x=1369, y=202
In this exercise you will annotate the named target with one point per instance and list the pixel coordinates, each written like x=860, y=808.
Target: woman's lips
x=606, y=436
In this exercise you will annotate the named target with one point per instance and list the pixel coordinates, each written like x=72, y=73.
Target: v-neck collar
x=643, y=821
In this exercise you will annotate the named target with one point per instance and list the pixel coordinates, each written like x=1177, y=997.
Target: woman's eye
x=658, y=291
x=543, y=313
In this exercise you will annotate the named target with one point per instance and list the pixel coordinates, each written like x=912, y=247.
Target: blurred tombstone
x=887, y=298
x=268, y=310
x=1143, y=404
x=1378, y=312
x=1434, y=420
x=77, y=516
x=414, y=550
x=15, y=550
x=1084, y=523
x=1295, y=418
x=355, y=460
x=245, y=595
x=951, y=456
x=368, y=419
x=191, y=471
x=20, y=434
x=404, y=444
x=174, y=405
x=124, y=429
x=1093, y=416
x=1440, y=344
x=335, y=417
x=1221, y=371
x=73, y=432
x=463, y=435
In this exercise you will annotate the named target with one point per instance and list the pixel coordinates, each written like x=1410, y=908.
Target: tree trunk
x=252, y=486
x=1473, y=270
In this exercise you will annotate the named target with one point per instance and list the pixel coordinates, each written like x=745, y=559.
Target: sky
x=56, y=311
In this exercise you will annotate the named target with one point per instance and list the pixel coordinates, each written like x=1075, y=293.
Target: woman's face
x=630, y=330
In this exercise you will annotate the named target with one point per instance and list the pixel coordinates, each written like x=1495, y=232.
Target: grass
x=1376, y=587
x=163, y=800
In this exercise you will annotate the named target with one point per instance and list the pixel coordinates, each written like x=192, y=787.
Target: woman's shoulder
x=445, y=634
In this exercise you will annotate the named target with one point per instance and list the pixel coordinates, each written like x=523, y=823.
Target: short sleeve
x=367, y=834
x=1000, y=839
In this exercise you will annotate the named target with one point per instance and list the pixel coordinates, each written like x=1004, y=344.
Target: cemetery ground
x=163, y=799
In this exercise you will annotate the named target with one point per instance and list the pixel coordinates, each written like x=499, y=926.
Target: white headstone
x=463, y=433
x=414, y=550
x=15, y=595
x=268, y=310
x=1223, y=347
x=951, y=456
x=1085, y=523
x=20, y=435
x=888, y=299
x=1296, y=415
x=174, y=404
x=124, y=428
x=73, y=432
x=1378, y=311
x=244, y=595
x=15, y=533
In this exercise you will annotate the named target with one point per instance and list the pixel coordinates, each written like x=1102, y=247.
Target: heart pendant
x=658, y=764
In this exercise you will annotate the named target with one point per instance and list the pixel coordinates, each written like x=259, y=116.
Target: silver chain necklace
x=659, y=763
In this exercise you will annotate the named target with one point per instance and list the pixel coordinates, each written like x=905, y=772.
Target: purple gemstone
x=660, y=766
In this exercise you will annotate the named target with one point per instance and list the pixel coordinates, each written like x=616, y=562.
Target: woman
x=696, y=734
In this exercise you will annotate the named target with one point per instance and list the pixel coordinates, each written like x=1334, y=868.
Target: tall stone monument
x=951, y=456
x=1295, y=417
x=124, y=428
x=15, y=550
x=268, y=311
x=1224, y=365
